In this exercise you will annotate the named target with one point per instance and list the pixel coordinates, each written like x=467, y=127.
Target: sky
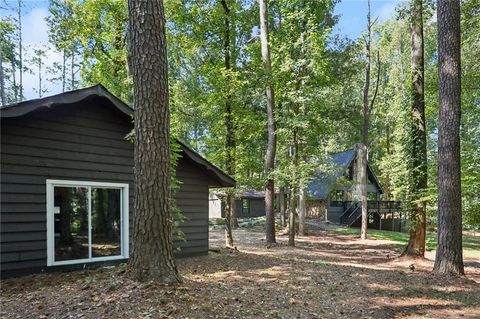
x=35, y=31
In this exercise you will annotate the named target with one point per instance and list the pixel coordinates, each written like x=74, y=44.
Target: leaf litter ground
x=327, y=275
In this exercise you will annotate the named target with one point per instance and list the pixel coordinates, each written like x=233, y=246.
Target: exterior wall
x=192, y=200
x=256, y=207
x=214, y=207
x=76, y=143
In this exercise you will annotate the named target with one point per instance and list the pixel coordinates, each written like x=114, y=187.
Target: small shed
x=67, y=189
x=248, y=203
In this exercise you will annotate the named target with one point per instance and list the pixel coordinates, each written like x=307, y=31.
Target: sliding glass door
x=86, y=221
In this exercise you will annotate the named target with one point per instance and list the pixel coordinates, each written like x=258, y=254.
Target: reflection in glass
x=71, y=223
x=105, y=222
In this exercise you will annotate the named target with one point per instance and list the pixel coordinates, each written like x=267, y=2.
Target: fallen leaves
x=320, y=278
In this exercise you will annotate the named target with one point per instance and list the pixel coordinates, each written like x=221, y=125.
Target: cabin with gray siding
x=335, y=195
x=249, y=203
x=64, y=160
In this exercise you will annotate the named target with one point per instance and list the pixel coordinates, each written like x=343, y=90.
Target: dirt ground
x=326, y=275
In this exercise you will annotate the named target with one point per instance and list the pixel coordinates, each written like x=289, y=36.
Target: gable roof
x=99, y=91
x=322, y=184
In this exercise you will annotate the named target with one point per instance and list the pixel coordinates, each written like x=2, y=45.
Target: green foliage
x=317, y=78
x=9, y=59
x=471, y=244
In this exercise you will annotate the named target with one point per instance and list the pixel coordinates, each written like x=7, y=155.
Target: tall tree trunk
x=228, y=118
x=20, y=49
x=72, y=70
x=40, y=92
x=302, y=211
x=362, y=155
x=152, y=256
x=361, y=181
x=14, y=79
x=281, y=205
x=449, y=257
x=271, y=147
x=367, y=109
x=293, y=193
x=291, y=219
x=418, y=154
x=64, y=70
x=2, y=81
x=301, y=146
x=229, y=203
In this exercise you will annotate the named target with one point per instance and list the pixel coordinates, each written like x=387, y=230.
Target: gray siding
x=256, y=207
x=76, y=143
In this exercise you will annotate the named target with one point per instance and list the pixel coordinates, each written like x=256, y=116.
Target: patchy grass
x=471, y=244
x=244, y=222
x=328, y=274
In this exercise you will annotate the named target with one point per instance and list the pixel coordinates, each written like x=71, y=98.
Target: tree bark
x=367, y=109
x=291, y=219
x=362, y=153
x=362, y=185
x=64, y=69
x=152, y=255
x=281, y=204
x=20, y=49
x=293, y=193
x=2, y=81
x=302, y=211
x=230, y=144
x=271, y=147
x=449, y=256
x=229, y=203
x=418, y=151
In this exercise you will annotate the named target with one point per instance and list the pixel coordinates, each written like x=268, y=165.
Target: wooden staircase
x=351, y=214
x=353, y=210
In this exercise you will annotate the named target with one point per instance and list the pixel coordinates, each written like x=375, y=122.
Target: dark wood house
x=67, y=188
x=335, y=197
x=249, y=203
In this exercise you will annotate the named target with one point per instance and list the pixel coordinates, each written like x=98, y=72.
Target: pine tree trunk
x=20, y=49
x=14, y=79
x=64, y=70
x=449, y=256
x=291, y=219
x=281, y=199
x=40, y=92
x=418, y=155
x=72, y=71
x=362, y=154
x=271, y=147
x=152, y=256
x=302, y=211
x=229, y=203
x=230, y=144
x=362, y=184
x=2, y=81
x=293, y=193
x=367, y=109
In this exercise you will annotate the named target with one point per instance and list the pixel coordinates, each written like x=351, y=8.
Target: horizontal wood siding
x=84, y=143
x=192, y=200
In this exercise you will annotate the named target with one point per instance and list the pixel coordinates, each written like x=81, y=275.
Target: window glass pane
x=71, y=223
x=245, y=206
x=106, y=225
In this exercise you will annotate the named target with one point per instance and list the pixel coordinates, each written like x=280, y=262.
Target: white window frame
x=124, y=219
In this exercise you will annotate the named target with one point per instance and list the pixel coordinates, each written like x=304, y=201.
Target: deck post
x=400, y=223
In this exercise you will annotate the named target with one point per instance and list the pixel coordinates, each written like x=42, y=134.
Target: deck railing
x=380, y=205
